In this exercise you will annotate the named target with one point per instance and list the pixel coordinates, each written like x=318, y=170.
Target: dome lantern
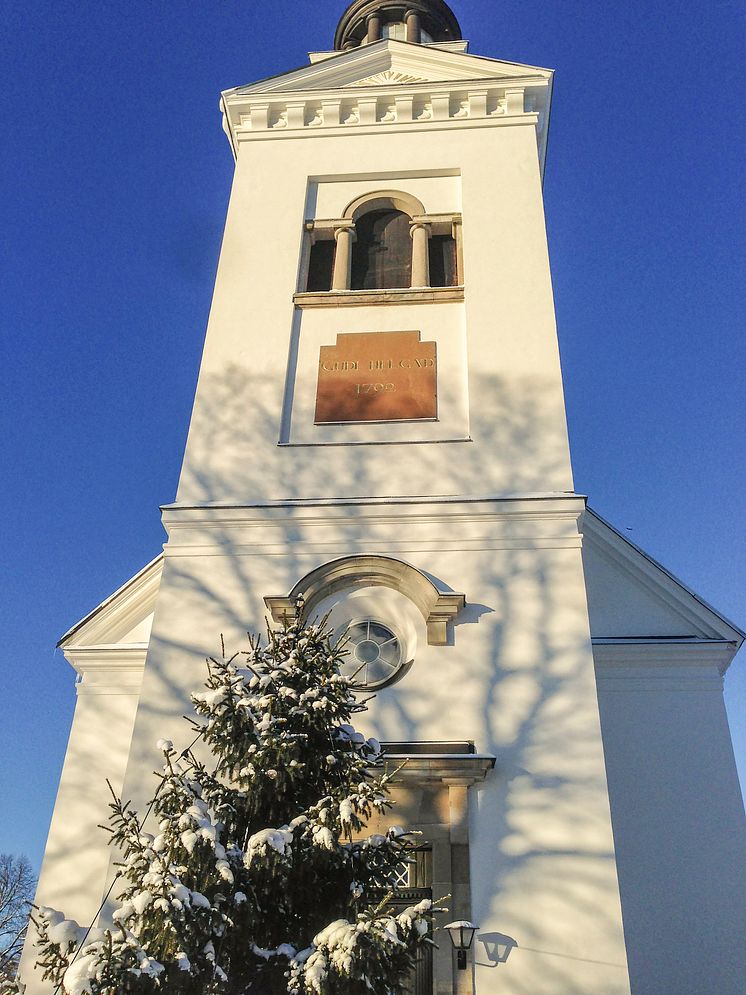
x=418, y=21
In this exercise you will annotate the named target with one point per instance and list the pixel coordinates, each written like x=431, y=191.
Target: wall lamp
x=462, y=936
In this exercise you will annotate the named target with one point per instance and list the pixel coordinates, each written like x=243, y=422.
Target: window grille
x=411, y=882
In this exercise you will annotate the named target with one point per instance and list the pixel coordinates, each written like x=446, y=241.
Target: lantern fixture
x=462, y=936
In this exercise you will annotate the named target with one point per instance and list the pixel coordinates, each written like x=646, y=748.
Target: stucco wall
x=517, y=679
x=76, y=858
x=504, y=329
x=679, y=828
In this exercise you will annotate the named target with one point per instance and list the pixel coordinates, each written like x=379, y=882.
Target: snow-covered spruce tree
x=257, y=876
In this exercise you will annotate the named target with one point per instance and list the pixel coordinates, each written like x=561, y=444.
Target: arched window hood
x=420, y=21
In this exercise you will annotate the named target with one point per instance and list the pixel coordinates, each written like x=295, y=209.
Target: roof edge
x=738, y=632
x=128, y=585
x=355, y=54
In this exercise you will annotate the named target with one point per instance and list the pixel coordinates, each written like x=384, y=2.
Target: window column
x=342, y=276
x=420, y=234
x=374, y=28
x=412, y=21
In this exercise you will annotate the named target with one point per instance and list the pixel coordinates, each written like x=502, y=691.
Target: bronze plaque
x=376, y=376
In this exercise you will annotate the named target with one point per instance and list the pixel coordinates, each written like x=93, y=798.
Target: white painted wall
x=516, y=407
x=518, y=679
x=678, y=824
x=76, y=858
x=676, y=805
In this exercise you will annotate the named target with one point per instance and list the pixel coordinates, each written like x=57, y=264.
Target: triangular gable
x=124, y=618
x=416, y=63
x=631, y=596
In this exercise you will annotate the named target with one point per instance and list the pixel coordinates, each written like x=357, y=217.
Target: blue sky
x=114, y=180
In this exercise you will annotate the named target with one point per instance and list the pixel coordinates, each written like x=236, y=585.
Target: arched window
x=383, y=241
x=382, y=252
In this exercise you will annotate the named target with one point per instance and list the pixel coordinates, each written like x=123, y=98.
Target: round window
x=374, y=653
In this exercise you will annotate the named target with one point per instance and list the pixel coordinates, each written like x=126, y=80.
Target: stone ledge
x=459, y=770
x=366, y=298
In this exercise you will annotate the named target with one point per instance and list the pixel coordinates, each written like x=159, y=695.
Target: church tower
x=379, y=427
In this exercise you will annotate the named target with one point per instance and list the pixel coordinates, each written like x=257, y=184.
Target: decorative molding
x=438, y=608
x=108, y=669
x=461, y=46
x=410, y=548
x=387, y=77
x=633, y=658
x=247, y=118
x=328, y=529
x=366, y=298
x=390, y=84
x=383, y=200
x=528, y=506
x=609, y=683
x=499, y=522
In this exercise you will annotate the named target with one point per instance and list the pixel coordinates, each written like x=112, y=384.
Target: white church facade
x=379, y=427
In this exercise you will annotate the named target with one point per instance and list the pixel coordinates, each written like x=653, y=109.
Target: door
x=413, y=883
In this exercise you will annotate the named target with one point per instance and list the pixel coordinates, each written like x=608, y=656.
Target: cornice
x=108, y=669
x=108, y=655
x=313, y=115
x=241, y=138
x=681, y=662
x=346, y=526
x=381, y=82
x=389, y=85
x=514, y=508
x=552, y=499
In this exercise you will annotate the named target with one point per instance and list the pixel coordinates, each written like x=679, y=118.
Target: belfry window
x=382, y=252
x=384, y=241
x=396, y=30
x=443, y=261
x=320, y=266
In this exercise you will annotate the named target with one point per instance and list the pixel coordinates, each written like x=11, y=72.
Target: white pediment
x=391, y=63
x=631, y=596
